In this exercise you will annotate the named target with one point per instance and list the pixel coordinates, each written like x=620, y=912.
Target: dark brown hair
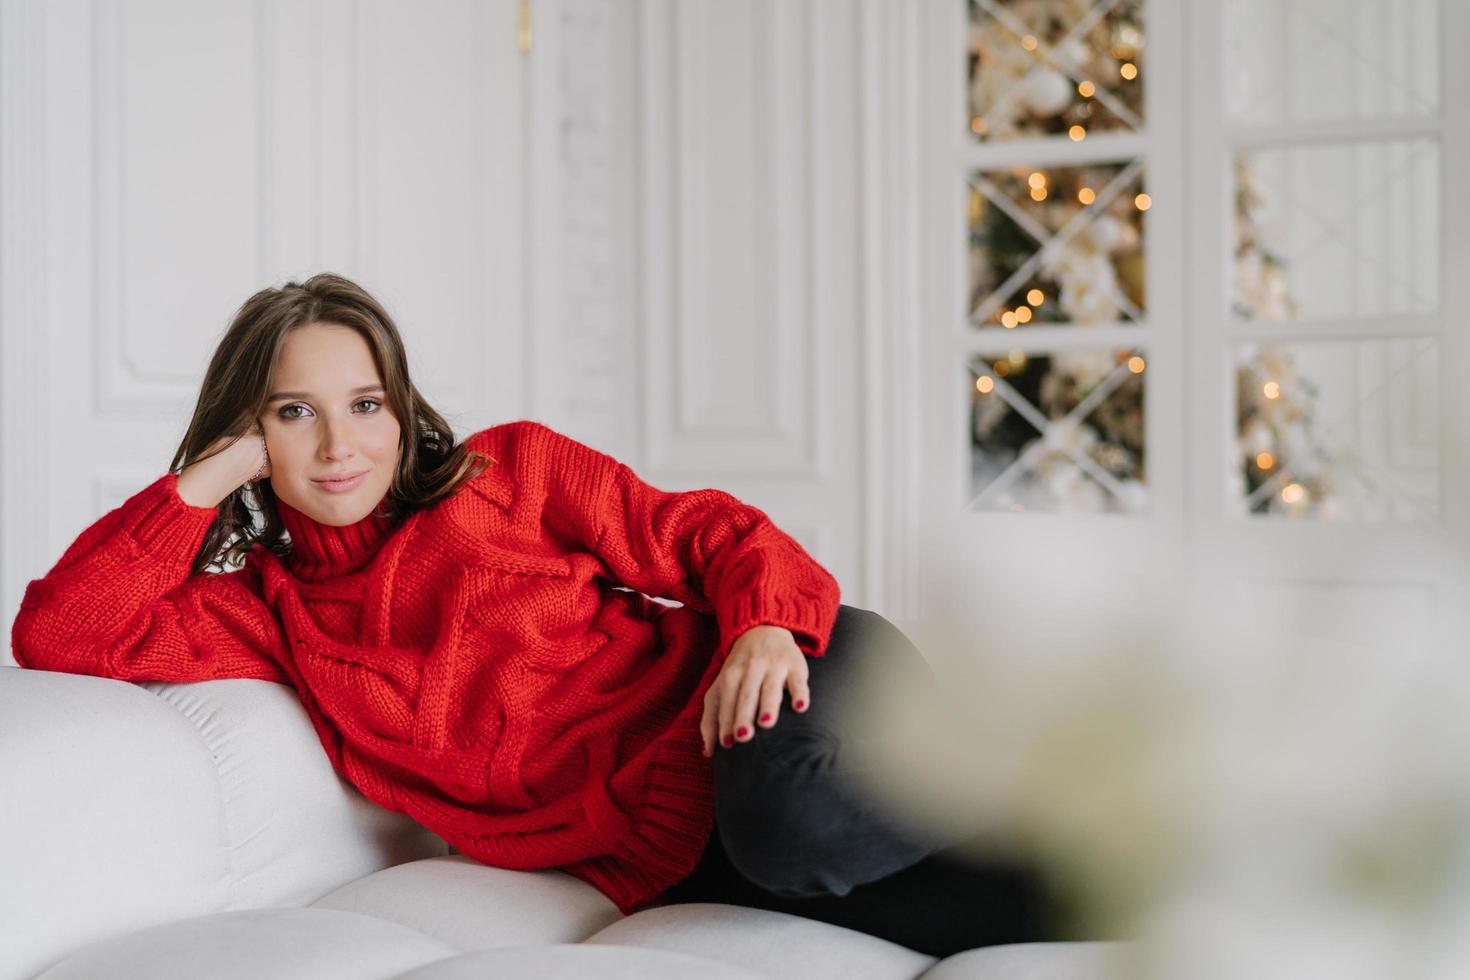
x=237, y=383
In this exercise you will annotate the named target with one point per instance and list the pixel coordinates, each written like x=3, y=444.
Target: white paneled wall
x=748, y=278
x=164, y=160
x=710, y=298
x=647, y=231
x=718, y=239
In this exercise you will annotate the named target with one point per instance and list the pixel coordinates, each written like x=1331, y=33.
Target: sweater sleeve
x=121, y=602
x=703, y=548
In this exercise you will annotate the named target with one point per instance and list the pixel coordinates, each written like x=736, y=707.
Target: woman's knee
x=862, y=629
x=784, y=849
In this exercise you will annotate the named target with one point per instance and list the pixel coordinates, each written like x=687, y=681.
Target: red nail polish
x=799, y=705
x=727, y=741
x=741, y=731
x=766, y=717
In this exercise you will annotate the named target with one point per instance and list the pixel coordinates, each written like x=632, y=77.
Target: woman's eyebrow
x=283, y=395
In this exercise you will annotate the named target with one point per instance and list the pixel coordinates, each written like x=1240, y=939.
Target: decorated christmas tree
x=1065, y=245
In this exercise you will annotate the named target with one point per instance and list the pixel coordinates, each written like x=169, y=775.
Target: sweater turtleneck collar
x=322, y=551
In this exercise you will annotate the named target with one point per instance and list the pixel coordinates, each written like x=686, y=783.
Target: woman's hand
x=763, y=660
x=212, y=478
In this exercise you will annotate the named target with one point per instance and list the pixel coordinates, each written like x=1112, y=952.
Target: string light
x=1086, y=196
x=1264, y=461
x=1143, y=202
x=1135, y=364
x=1038, y=193
x=1077, y=133
x=1037, y=179
x=1129, y=70
x=1086, y=90
x=1023, y=314
x=984, y=384
x=1008, y=320
x=1035, y=297
x=1271, y=390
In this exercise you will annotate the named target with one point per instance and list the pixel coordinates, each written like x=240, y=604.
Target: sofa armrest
x=127, y=805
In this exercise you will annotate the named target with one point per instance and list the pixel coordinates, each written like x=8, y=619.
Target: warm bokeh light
x=1037, y=179
x=1293, y=492
x=1264, y=461
x=1129, y=70
x=1036, y=297
x=1016, y=359
x=1135, y=364
x=1077, y=133
x=1023, y=314
x=1086, y=90
x=977, y=125
x=1086, y=196
x=1008, y=319
x=984, y=384
x=1038, y=193
x=1029, y=42
x=1143, y=202
x=1271, y=390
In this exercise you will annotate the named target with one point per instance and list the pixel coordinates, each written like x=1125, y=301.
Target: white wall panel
x=707, y=322
x=728, y=97
x=165, y=160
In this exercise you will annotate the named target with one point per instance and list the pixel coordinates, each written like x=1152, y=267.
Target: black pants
x=796, y=833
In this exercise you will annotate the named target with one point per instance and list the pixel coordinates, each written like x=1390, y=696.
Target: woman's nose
x=335, y=443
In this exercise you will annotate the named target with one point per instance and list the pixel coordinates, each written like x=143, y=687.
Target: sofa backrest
x=127, y=805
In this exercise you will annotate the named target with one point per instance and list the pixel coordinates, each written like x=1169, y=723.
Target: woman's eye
x=362, y=401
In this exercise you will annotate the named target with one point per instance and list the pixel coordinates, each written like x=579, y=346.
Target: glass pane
x=1055, y=67
x=1312, y=60
x=1338, y=430
x=1337, y=230
x=1059, y=432
x=1057, y=245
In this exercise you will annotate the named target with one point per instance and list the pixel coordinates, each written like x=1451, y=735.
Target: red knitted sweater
x=481, y=667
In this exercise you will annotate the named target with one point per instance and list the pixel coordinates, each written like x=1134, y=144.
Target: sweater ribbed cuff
x=808, y=618
x=164, y=525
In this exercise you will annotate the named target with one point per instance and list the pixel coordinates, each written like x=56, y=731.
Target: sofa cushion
x=773, y=944
x=578, y=963
x=280, y=943
x=295, y=829
x=1040, y=961
x=473, y=906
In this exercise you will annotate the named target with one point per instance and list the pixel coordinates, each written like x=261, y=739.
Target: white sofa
x=165, y=831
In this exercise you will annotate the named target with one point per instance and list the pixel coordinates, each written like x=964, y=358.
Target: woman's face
x=326, y=417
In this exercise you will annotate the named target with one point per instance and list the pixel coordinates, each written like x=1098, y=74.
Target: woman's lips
x=341, y=486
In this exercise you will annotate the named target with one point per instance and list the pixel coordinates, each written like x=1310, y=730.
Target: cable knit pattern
x=491, y=666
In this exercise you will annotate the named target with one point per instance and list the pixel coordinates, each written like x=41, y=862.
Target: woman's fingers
x=749, y=698
x=746, y=694
x=801, y=695
x=770, y=702
x=729, y=683
x=709, y=723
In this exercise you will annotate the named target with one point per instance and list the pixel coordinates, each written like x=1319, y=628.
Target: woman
x=469, y=629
